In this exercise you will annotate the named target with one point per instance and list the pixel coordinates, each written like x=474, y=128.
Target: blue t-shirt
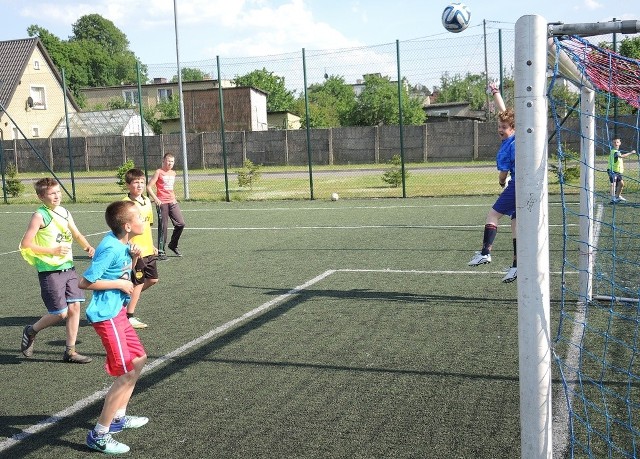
x=111, y=261
x=506, y=157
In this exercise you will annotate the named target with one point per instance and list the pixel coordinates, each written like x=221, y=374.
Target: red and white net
x=606, y=70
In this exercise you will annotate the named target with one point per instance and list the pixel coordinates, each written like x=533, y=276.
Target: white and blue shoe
x=127, y=422
x=105, y=443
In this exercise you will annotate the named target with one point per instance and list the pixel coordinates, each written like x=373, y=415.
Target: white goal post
x=534, y=328
x=532, y=46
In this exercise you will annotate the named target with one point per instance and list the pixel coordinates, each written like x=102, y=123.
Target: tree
x=470, y=88
x=190, y=74
x=630, y=47
x=97, y=54
x=279, y=98
x=378, y=104
x=330, y=103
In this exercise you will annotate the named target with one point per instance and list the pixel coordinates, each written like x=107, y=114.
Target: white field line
x=290, y=228
x=69, y=411
x=81, y=404
x=560, y=411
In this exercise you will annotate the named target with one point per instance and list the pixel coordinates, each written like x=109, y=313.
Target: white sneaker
x=512, y=274
x=135, y=323
x=620, y=198
x=479, y=259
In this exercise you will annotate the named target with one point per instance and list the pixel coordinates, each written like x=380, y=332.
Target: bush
x=14, y=186
x=249, y=174
x=568, y=168
x=394, y=175
x=120, y=173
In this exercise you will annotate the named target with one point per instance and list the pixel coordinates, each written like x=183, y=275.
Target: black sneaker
x=175, y=250
x=162, y=256
x=26, y=346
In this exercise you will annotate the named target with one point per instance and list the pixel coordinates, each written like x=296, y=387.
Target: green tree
x=330, y=103
x=190, y=74
x=378, y=104
x=471, y=88
x=279, y=98
x=630, y=47
x=165, y=109
x=97, y=54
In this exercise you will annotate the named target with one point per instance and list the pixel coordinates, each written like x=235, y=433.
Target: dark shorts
x=614, y=177
x=506, y=202
x=58, y=289
x=146, y=268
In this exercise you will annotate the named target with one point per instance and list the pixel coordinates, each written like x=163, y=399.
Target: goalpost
x=595, y=346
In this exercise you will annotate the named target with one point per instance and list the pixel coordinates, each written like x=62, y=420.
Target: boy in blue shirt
x=506, y=202
x=109, y=276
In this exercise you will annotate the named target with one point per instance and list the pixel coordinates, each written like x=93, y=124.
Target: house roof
x=14, y=58
x=105, y=122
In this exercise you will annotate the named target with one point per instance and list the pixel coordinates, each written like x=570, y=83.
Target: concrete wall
x=444, y=141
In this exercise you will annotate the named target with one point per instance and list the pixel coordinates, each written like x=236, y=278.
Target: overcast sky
x=236, y=28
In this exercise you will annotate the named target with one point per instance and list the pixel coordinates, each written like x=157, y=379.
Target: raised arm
x=494, y=91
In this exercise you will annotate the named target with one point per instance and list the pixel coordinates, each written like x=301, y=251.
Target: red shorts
x=121, y=342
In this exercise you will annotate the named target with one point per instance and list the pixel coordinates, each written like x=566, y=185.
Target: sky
x=237, y=28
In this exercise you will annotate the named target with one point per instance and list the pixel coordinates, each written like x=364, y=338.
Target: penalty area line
x=81, y=404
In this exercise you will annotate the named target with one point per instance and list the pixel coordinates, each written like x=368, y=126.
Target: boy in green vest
x=47, y=245
x=615, y=169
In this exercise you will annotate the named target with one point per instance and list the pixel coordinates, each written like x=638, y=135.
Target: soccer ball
x=334, y=196
x=455, y=17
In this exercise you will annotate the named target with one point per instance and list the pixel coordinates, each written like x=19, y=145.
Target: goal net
x=594, y=96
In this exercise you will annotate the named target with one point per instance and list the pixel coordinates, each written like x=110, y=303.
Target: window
x=164, y=94
x=39, y=97
x=130, y=96
x=36, y=65
x=35, y=130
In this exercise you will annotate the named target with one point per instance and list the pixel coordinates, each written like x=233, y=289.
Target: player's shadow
x=389, y=297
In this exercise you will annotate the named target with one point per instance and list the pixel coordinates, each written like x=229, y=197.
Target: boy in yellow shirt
x=145, y=272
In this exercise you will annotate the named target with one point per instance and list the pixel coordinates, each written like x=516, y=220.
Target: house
x=124, y=121
x=245, y=109
x=152, y=93
x=283, y=120
x=31, y=91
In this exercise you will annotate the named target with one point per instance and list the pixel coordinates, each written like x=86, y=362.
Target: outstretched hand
x=492, y=88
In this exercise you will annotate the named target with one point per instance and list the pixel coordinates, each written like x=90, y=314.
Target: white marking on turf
x=59, y=416
x=81, y=404
x=282, y=228
x=560, y=410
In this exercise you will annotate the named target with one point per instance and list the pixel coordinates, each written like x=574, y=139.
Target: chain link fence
x=449, y=154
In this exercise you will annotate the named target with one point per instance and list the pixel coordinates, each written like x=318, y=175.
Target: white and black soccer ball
x=456, y=17
x=334, y=196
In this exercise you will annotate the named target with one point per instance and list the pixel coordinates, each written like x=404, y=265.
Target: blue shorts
x=59, y=288
x=506, y=202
